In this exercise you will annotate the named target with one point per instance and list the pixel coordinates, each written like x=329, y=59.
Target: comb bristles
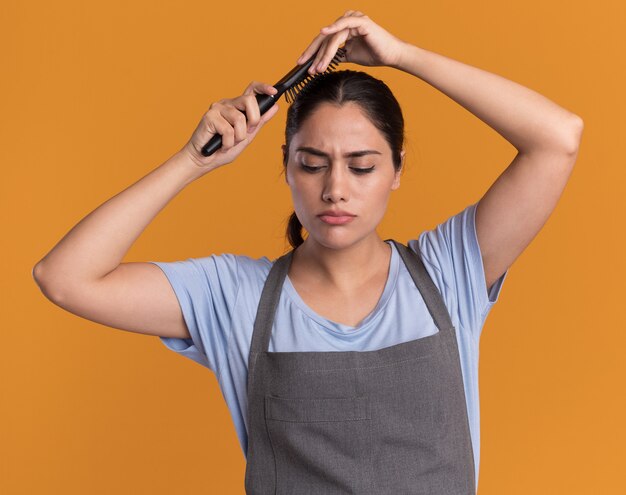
x=292, y=93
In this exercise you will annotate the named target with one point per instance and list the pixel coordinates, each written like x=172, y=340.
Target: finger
x=238, y=121
x=331, y=49
x=256, y=87
x=251, y=107
x=264, y=118
x=354, y=22
x=250, y=88
x=318, y=57
x=311, y=49
x=348, y=13
x=217, y=124
x=314, y=46
x=326, y=54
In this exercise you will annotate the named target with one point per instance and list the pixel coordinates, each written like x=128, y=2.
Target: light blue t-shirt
x=219, y=296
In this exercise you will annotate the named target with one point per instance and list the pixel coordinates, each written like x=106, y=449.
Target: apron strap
x=268, y=303
x=432, y=297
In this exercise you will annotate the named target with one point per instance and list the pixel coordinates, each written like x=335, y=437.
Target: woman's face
x=339, y=160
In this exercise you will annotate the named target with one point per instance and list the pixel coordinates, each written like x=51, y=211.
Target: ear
x=396, y=180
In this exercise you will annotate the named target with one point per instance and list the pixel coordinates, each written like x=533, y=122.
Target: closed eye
x=310, y=169
x=357, y=170
x=362, y=170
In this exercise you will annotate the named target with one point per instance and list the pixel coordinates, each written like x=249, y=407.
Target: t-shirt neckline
x=369, y=319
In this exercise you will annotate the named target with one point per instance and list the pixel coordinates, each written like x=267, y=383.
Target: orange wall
x=96, y=95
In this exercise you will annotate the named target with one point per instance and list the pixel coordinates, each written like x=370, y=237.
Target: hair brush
x=291, y=84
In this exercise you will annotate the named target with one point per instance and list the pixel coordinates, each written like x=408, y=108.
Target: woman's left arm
x=547, y=137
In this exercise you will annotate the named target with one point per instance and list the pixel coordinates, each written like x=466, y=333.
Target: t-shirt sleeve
x=452, y=252
x=207, y=290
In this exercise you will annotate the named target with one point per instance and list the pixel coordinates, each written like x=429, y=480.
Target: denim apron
x=388, y=421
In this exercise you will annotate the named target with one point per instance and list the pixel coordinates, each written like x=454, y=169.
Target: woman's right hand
x=224, y=117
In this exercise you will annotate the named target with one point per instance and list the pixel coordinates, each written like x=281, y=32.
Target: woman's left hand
x=366, y=43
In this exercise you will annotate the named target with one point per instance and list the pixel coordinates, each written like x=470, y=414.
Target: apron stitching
x=395, y=363
x=320, y=420
x=269, y=434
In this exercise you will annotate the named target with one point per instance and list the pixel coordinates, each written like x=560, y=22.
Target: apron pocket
x=321, y=445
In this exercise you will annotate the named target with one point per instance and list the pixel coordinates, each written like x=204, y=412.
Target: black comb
x=291, y=85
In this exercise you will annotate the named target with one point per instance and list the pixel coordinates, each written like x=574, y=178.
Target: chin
x=335, y=239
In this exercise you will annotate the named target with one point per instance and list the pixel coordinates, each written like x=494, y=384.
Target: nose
x=336, y=185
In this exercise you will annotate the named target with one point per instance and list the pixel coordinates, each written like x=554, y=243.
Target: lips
x=335, y=219
x=336, y=213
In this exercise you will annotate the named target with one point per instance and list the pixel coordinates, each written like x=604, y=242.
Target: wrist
x=409, y=59
x=186, y=168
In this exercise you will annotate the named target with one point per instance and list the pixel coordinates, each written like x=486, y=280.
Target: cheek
x=375, y=191
x=302, y=196
x=375, y=200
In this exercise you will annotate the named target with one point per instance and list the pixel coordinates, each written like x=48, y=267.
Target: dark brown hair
x=339, y=87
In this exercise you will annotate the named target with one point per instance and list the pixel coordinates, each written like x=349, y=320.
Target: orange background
x=95, y=95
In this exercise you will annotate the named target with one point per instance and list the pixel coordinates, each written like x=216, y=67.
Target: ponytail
x=294, y=231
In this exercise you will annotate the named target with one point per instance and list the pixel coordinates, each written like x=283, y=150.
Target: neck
x=344, y=269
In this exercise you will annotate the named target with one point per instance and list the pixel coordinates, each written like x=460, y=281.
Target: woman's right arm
x=84, y=273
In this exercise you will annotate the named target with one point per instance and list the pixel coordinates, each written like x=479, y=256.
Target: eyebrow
x=315, y=151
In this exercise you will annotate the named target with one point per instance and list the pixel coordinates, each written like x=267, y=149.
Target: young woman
x=350, y=363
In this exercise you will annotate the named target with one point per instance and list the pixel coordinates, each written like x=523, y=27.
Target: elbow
x=573, y=136
x=36, y=274
x=44, y=287
x=562, y=139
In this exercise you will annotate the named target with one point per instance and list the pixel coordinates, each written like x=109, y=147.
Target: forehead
x=337, y=129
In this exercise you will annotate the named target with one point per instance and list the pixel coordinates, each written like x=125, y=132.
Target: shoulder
x=230, y=263
x=220, y=271
x=441, y=246
x=251, y=272
x=452, y=256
